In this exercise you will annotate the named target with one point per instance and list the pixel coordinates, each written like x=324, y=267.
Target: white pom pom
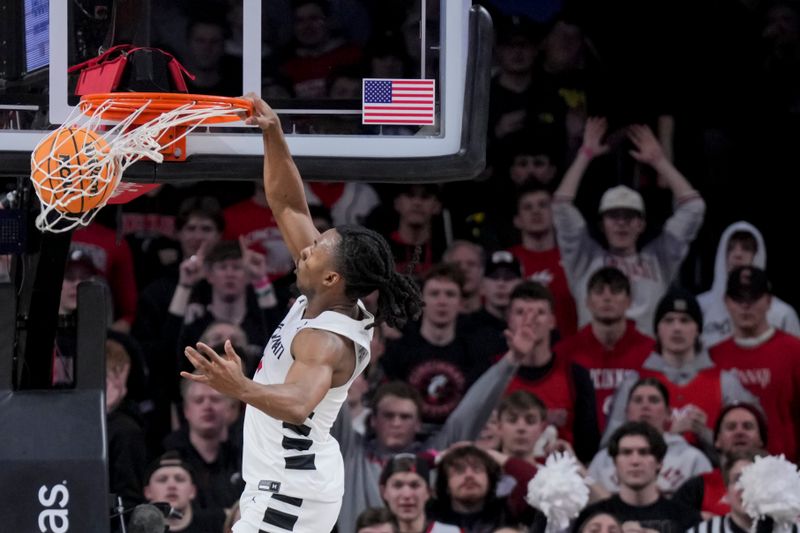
x=558, y=490
x=771, y=488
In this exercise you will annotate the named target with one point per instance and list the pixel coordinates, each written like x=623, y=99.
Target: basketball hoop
x=119, y=106
x=76, y=169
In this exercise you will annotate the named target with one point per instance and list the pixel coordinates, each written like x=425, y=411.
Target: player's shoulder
x=312, y=340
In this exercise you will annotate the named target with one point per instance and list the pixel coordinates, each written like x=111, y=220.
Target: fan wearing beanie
x=698, y=389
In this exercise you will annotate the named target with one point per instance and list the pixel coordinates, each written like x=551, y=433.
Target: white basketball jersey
x=303, y=460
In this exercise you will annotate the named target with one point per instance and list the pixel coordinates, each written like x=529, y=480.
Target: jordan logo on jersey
x=275, y=344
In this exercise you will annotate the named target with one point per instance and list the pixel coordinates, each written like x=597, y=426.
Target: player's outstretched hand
x=220, y=372
x=263, y=116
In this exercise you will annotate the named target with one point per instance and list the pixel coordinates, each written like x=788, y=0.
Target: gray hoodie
x=717, y=325
x=363, y=460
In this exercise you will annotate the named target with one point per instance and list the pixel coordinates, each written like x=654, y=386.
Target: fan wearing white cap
x=650, y=268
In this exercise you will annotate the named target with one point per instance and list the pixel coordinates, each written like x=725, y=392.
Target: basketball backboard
x=265, y=49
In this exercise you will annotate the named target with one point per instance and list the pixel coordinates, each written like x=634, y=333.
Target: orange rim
x=123, y=104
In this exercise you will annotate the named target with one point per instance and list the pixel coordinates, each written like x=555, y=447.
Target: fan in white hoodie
x=717, y=322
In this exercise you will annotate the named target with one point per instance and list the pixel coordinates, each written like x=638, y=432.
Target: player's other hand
x=220, y=372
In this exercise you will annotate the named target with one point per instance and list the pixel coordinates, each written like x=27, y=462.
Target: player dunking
x=292, y=467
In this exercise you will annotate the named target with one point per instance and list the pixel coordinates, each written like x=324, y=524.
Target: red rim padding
x=123, y=104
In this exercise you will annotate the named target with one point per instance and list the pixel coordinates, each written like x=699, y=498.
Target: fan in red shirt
x=414, y=242
x=315, y=50
x=767, y=360
x=253, y=220
x=539, y=253
x=113, y=259
x=739, y=428
x=609, y=347
x=564, y=387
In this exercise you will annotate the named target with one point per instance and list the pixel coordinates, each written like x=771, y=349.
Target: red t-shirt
x=557, y=392
x=115, y=261
x=260, y=230
x=715, y=493
x=704, y=392
x=771, y=371
x=608, y=368
x=545, y=268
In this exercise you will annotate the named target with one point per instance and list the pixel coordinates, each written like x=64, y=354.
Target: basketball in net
x=76, y=169
x=71, y=170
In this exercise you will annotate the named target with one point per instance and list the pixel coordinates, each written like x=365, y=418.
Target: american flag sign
x=398, y=102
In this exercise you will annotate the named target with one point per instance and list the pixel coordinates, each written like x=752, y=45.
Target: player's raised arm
x=282, y=183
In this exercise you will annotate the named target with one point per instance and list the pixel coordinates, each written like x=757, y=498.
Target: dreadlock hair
x=366, y=263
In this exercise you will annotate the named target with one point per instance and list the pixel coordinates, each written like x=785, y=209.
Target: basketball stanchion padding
x=76, y=169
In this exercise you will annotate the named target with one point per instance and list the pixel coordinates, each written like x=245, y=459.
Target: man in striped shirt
x=737, y=521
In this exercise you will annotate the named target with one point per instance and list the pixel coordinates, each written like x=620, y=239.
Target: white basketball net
x=100, y=169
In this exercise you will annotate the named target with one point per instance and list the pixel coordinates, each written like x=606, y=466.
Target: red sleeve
x=522, y=472
x=122, y=281
x=796, y=403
